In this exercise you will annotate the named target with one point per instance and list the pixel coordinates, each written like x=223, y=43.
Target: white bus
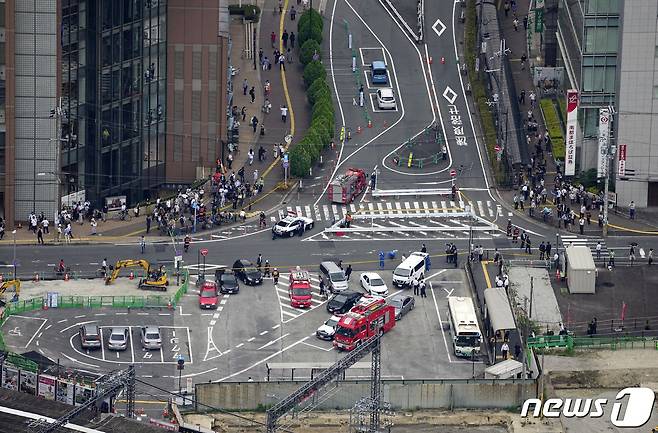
x=466, y=335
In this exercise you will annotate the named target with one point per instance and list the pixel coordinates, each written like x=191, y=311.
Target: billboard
x=621, y=165
x=604, y=139
x=572, y=124
x=47, y=387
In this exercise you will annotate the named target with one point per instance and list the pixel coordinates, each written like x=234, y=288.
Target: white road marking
x=80, y=316
x=239, y=345
x=264, y=332
x=276, y=326
x=269, y=343
x=318, y=347
x=251, y=339
x=70, y=358
x=77, y=324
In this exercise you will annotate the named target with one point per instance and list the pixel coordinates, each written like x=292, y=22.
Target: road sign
x=453, y=172
x=204, y=252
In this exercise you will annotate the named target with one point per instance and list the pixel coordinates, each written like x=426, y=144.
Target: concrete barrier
x=402, y=394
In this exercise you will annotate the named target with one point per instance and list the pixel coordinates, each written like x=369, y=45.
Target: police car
x=291, y=225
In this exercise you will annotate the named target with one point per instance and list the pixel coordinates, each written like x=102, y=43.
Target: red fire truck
x=370, y=316
x=299, y=289
x=344, y=188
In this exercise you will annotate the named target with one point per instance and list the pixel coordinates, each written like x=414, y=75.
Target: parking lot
x=247, y=331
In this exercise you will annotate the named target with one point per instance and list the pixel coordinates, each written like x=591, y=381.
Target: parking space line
x=80, y=316
x=273, y=327
x=35, y=334
x=142, y=314
x=251, y=339
x=164, y=314
x=264, y=332
x=318, y=347
x=269, y=343
x=100, y=314
x=239, y=345
x=121, y=314
x=289, y=314
x=48, y=327
x=63, y=320
x=100, y=330
x=76, y=324
x=436, y=306
x=132, y=347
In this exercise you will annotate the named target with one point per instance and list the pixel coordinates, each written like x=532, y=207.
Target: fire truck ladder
x=111, y=385
x=332, y=374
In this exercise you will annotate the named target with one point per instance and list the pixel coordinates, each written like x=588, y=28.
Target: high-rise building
x=610, y=55
x=109, y=98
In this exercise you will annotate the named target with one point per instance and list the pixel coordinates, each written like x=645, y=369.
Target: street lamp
x=14, y=262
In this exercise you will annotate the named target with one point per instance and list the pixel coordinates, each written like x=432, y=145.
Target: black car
x=247, y=272
x=343, y=302
x=228, y=283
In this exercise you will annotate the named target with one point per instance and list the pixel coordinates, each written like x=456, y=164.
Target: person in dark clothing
x=148, y=224
x=548, y=250
x=423, y=249
x=241, y=174
x=423, y=291
x=348, y=272
x=252, y=93
x=40, y=235
x=291, y=38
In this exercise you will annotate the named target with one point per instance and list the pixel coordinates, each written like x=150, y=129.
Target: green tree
x=316, y=89
x=300, y=161
x=313, y=71
x=310, y=31
x=309, y=48
x=309, y=16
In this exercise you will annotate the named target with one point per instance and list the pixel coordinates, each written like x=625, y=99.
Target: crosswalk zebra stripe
x=343, y=209
x=398, y=206
x=499, y=210
x=407, y=206
x=416, y=206
x=308, y=211
x=371, y=207
x=389, y=207
x=380, y=207
x=480, y=208
x=426, y=207
x=461, y=204
x=298, y=210
x=334, y=210
x=491, y=212
x=452, y=206
x=325, y=209
x=435, y=207
x=317, y=213
x=444, y=206
x=289, y=209
x=281, y=214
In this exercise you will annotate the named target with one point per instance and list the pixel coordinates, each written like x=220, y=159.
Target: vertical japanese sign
x=604, y=138
x=621, y=166
x=572, y=123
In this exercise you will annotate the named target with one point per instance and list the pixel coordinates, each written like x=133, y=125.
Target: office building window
x=601, y=39
x=599, y=79
x=657, y=51
x=655, y=92
x=602, y=7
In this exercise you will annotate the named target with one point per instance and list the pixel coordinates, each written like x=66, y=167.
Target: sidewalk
x=521, y=72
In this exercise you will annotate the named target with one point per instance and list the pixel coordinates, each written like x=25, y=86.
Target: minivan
x=333, y=276
x=90, y=336
x=412, y=268
x=379, y=73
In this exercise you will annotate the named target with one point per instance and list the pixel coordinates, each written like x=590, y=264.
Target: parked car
x=228, y=283
x=151, y=339
x=327, y=330
x=247, y=272
x=373, y=284
x=334, y=278
x=291, y=225
x=386, y=99
x=208, y=295
x=343, y=302
x=118, y=338
x=90, y=336
x=402, y=304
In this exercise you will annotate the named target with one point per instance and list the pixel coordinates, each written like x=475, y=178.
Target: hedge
x=317, y=86
x=300, y=160
x=309, y=31
x=313, y=71
x=305, y=18
x=554, y=128
x=308, y=49
x=250, y=12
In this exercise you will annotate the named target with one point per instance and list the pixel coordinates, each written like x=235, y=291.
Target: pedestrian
x=45, y=223
x=93, y=225
x=292, y=38
x=507, y=6
x=515, y=235
x=282, y=62
x=516, y=24
x=522, y=98
x=542, y=250
x=650, y=257
x=243, y=112
x=416, y=286
x=581, y=223
x=254, y=123
x=275, y=276
x=517, y=351
x=528, y=248
x=533, y=98
x=423, y=288
x=284, y=113
x=142, y=244
x=273, y=39
x=148, y=224
x=252, y=93
x=284, y=38
x=611, y=259
x=260, y=56
x=348, y=272
x=39, y=236
x=504, y=350
x=293, y=13
x=448, y=256
x=250, y=155
x=525, y=22
x=631, y=210
x=259, y=261
x=549, y=247
x=245, y=87
x=241, y=174
x=523, y=60
x=423, y=249
x=229, y=161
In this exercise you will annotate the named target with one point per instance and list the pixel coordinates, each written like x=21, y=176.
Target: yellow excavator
x=156, y=279
x=16, y=284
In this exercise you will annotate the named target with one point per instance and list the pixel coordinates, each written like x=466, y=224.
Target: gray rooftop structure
x=545, y=309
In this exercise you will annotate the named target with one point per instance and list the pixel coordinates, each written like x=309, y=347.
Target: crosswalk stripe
x=343, y=209
x=289, y=209
x=491, y=212
x=273, y=219
x=407, y=206
x=281, y=214
x=426, y=207
x=380, y=207
x=298, y=210
x=452, y=206
x=416, y=206
x=398, y=206
x=334, y=210
x=389, y=207
x=325, y=209
x=317, y=213
x=435, y=207
x=308, y=211
x=444, y=206
x=315, y=301
x=461, y=204
x=352, y=208
x=371, y=207
x=480, y=208
x=499, y=210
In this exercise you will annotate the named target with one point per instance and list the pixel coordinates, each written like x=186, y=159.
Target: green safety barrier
x=612, y=343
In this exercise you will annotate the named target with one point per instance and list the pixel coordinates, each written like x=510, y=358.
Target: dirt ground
x=96, y=287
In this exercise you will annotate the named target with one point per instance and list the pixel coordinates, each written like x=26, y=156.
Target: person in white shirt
x=45, y=224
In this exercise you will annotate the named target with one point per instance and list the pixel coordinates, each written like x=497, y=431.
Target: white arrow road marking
x=443, y=27
x=211, y=347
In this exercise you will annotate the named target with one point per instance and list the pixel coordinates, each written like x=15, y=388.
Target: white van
x=412, y=268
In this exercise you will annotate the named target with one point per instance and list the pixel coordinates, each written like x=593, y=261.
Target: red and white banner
x=621, y=166
x=572, y=125
x=604, y=141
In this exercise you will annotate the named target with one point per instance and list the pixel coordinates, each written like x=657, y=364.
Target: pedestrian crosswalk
x=288, y=312
x=332, y=212
x=569, y=240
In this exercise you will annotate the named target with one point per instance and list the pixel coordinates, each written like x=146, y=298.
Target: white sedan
x=291, y=225
x=373, y=284
x=386, y=99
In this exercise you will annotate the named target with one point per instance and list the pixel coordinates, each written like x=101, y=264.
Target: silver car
x=402, y=304
x=118, y=338
x=151, y=339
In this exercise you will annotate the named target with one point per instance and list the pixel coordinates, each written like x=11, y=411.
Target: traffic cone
x=557, y=274
x=369, y=123
x=430, y=60
x=36, y=278
x=358, y=129
x=66, y=276
x=132, y=275
x=385, y=123
x=443, y=60
x=45, y=305
x=165, y=413
x=169, y=305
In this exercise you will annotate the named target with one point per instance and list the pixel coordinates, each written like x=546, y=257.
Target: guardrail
x=413, y=214
x=612, y=343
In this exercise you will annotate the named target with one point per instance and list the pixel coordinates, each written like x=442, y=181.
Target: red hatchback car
x=208, y=295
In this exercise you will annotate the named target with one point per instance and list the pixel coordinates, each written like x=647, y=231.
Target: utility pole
x=609, y=154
